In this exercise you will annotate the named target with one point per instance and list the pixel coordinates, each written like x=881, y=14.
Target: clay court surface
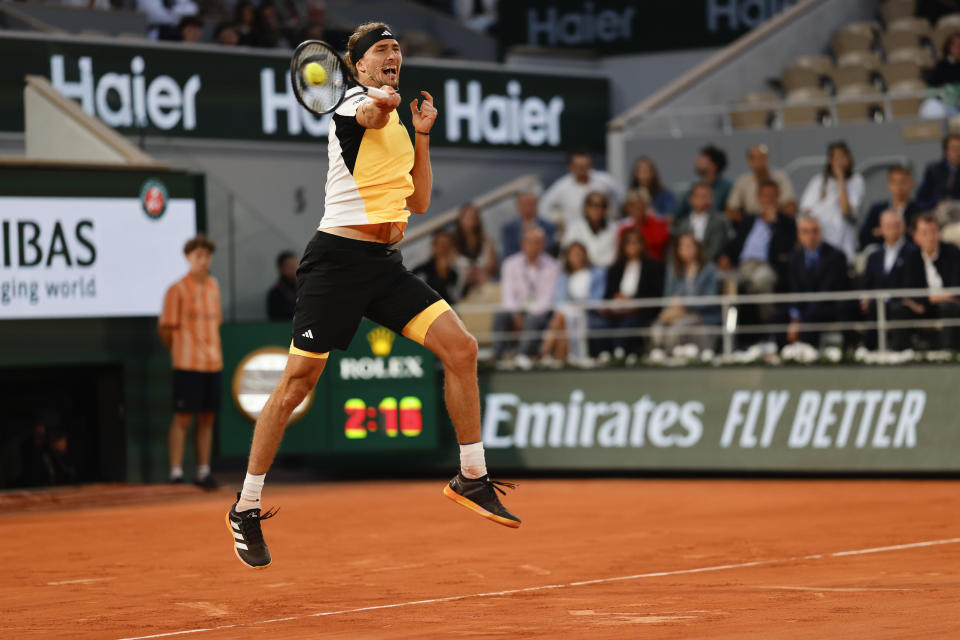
x=593, y=559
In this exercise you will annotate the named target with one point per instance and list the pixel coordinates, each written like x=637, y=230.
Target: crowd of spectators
x=267, y=24
x=590, y=239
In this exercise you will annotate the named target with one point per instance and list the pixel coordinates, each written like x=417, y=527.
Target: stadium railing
x=729, y=306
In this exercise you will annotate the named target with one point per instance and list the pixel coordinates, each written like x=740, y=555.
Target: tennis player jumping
x=350, y=269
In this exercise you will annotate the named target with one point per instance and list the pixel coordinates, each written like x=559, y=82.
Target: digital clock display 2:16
x=388, y=417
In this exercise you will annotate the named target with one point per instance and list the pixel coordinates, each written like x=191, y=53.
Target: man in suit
x=815, y=267
x=762, y=244
x=935, y=266
x=711, y=229
x=511, y=235
x=941, y=180
x=887, y=269
x=759, y=250
x=900, y=186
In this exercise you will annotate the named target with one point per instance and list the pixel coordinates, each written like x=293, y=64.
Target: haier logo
x=577, y=28
x=128, y=99
x=742, y=14
x=501, y=119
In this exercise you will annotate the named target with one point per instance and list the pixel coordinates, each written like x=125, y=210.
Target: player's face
x=380, y=65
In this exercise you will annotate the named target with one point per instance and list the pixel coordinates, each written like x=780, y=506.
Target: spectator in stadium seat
x=266, y=32
x=476, y=253
x=511, y=234
x=743, y=197
x=709, y=228
x=688, y=275
x=282, y=296
x=440, y=271
x=941, y=181
x=762, y=245
x=815, y=267
x=164, y=15
x=578, y=282
x=834, y=196
x=887, y=269
x=947, y=70
x=528, y=282
x=900, y=185
x=709, y=164
x=562, y=203
x=646, y=176
x=191, y=29
x=189, y=328
x=654, y=229
x=244, y=17
x=594, y=230
x=226, y=34
x=316, y=27
x=213, y=10
x=935, y=266
x=632, y=276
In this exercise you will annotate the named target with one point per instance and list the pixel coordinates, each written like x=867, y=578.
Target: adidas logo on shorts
x=308, y=334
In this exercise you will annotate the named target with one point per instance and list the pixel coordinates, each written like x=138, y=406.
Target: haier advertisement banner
x=212, y=92
x=788, y=419
x=628, y=26
x=89, y=252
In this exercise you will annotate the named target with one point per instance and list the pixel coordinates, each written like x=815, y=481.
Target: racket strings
x=327, y=95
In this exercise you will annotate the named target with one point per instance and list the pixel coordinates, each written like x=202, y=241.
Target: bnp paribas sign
x=214, y=92
x=751, y=419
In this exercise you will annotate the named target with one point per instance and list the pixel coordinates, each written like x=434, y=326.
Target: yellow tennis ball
x=314, y=74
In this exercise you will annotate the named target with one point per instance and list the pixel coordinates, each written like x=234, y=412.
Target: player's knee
x=295, y=390
x=462, y=354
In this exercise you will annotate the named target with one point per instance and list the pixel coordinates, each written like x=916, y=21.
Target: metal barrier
x=729, y=305
x=718, y=118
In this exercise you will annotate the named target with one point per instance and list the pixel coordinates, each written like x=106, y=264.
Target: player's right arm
x=374, y=113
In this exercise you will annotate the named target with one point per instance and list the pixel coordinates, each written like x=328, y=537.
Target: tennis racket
x=321, y=78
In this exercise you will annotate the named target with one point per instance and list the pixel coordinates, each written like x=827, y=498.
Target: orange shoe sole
x=237, y=553
x=473, y=506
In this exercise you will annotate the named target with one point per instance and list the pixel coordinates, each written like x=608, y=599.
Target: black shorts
x=340, y=281
x=196, y=391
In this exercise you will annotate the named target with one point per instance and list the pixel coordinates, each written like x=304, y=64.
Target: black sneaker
x=208, y=482
x=248, y=541
x=480, y=496
x=176, y=480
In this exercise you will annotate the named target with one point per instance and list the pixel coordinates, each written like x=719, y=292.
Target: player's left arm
x=423, y=118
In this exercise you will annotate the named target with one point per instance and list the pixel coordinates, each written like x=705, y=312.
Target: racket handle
x=373, y=92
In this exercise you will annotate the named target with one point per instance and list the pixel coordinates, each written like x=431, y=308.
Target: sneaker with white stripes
x=248, y=541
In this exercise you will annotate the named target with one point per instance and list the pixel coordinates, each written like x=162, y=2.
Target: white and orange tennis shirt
x=368, y=181
x=192, y=311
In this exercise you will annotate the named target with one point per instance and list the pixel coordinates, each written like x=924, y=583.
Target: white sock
x=250, y=494
x=472, y=462
x=203, y=470
x=176, y=473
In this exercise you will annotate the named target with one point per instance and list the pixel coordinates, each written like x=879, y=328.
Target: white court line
x=545, y=587
x=78, y=581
